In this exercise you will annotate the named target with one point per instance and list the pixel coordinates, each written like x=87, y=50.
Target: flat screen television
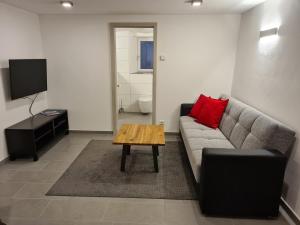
x=27, y=77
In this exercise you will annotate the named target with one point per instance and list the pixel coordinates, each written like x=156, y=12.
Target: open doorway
x=134, y=51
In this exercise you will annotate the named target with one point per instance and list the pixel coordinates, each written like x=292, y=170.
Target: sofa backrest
x=247, y=128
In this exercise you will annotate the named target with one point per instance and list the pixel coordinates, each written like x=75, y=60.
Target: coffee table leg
x=155, y=154
x=128, y=147
x=123, y=160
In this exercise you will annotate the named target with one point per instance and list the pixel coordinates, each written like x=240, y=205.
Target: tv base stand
x=27, y=137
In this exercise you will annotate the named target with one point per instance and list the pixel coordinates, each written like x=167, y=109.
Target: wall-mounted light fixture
x=195, y=3
x=67, y=4
x=269, y=32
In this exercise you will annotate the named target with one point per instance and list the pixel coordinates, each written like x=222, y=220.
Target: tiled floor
x=134, y=118
x=23, y=185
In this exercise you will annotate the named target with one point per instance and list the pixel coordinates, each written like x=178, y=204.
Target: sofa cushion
x=198, y=105
x=197, y=145
x=208, y=134
x=230, y=118
x=189, y=123
x=200, y=143
x=247, y=128
x=242, y=127
x=211, y=112
x=196, y=137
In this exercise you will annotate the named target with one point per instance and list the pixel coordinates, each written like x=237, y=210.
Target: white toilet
x=145, y=105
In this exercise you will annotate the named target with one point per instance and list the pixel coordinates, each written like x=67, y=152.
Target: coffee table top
x=140, y=134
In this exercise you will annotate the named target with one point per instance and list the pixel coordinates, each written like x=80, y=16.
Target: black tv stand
x=28, y=136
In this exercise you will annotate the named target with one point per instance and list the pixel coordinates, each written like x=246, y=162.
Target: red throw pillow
x=211, y=112
x=198, y=105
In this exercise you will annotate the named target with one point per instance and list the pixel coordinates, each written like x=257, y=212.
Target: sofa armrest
x=241, y=182
x=185, y=109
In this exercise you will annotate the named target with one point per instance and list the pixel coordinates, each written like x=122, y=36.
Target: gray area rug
x=96, y=173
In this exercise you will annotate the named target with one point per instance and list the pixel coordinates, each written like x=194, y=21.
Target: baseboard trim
x=3, y=161
x=290, y=213
x=172, y=133
x=91, y=132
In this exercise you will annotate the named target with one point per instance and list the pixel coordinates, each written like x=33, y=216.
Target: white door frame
x=112, y=27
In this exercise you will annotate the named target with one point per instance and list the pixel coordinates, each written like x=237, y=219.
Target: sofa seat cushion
x=206, y=134
x=188, y=122
x=197, y=144
x=196, y=137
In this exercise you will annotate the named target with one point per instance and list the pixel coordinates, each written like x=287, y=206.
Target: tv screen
x=27, y=77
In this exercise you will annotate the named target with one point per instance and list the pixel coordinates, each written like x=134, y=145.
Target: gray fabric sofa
x=247, y=134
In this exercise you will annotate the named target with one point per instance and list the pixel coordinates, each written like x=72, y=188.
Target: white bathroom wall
x=267, y=74
x=140, y=87
x=131, y=85
x=20, y=37
x=123, y=38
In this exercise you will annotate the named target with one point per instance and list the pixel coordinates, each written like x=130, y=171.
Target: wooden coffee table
x=140, y=134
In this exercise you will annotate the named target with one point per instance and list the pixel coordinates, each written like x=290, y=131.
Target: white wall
x=267, y=73
x=200, y=57
x=131, y=86
x=19, y=38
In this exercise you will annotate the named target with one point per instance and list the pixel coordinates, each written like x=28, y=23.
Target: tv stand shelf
x=28, y=136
